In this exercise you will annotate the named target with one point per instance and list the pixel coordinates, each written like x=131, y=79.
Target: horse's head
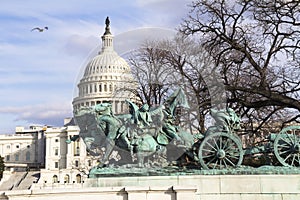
x=103, y=109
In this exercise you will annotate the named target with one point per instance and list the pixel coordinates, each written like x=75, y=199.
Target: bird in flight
x=40, y=29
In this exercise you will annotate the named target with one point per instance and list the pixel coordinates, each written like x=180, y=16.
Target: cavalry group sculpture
x=154, y=132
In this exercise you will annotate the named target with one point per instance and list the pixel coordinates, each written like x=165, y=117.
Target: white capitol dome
x=105, y=78
x=106, y=62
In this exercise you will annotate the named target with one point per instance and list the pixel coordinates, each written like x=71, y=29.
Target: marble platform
x=179, y=187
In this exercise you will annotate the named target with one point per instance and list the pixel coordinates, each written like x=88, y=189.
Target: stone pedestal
x=193, y=187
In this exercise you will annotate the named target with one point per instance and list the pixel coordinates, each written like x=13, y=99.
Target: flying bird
x=40, y=29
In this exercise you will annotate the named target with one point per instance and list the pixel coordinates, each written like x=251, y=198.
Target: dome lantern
x=107, y=38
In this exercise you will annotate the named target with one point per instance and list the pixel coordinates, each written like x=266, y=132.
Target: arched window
x=27, y=156
x=78, y=178
x=67, y=179
x=54, y=179
x=100, y=88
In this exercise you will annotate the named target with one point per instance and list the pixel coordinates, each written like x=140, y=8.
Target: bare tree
x=256, y=46
x=155, y=78
x=197, y=76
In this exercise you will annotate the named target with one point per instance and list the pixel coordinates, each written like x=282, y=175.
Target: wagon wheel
x=287, y=146
x=220, y=150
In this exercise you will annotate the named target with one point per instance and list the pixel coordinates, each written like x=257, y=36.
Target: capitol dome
x=106, y=62
x=105, y=78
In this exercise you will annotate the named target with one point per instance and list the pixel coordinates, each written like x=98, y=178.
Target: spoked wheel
x=287, y=146
x=220, y=151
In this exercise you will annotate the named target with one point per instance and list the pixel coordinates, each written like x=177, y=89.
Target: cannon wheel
x=287, y=146
x=220, y=150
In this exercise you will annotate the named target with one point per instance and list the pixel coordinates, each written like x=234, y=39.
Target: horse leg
x=108, y=149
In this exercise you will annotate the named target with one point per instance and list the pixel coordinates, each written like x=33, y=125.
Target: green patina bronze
x=153, y=134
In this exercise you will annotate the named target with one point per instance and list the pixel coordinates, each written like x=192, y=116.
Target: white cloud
x=144, y=3
x=80, y=45
x=132, y=40
x=47, y=112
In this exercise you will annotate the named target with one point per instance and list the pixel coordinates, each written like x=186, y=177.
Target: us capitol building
x=40, y=154
x=41, y=165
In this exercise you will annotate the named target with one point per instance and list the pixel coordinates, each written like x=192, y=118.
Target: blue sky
x=39, y=70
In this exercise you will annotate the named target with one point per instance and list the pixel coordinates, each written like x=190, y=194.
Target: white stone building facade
x=24, y=149
x=65, y=162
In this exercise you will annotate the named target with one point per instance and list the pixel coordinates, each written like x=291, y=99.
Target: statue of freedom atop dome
x=107, y=22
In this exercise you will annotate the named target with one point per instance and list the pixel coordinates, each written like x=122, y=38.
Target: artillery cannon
x=285, y=146
x=222, y=148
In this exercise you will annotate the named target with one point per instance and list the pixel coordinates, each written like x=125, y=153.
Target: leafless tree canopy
x=256, y=46
x=154, y=77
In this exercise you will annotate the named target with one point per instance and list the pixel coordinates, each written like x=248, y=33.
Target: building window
x=76, y=148
x=28, y=146
x=55, y=179
x=7, y=157
x=78, y=178
x=17, y=146
x=56, y=165
x=67, y=179
x=17, y=157
x=76, y=163
x=56, y=140
x=89, y=163
x=27, y=156
x=8, y=146
x=56, y=151
x=77, y=153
